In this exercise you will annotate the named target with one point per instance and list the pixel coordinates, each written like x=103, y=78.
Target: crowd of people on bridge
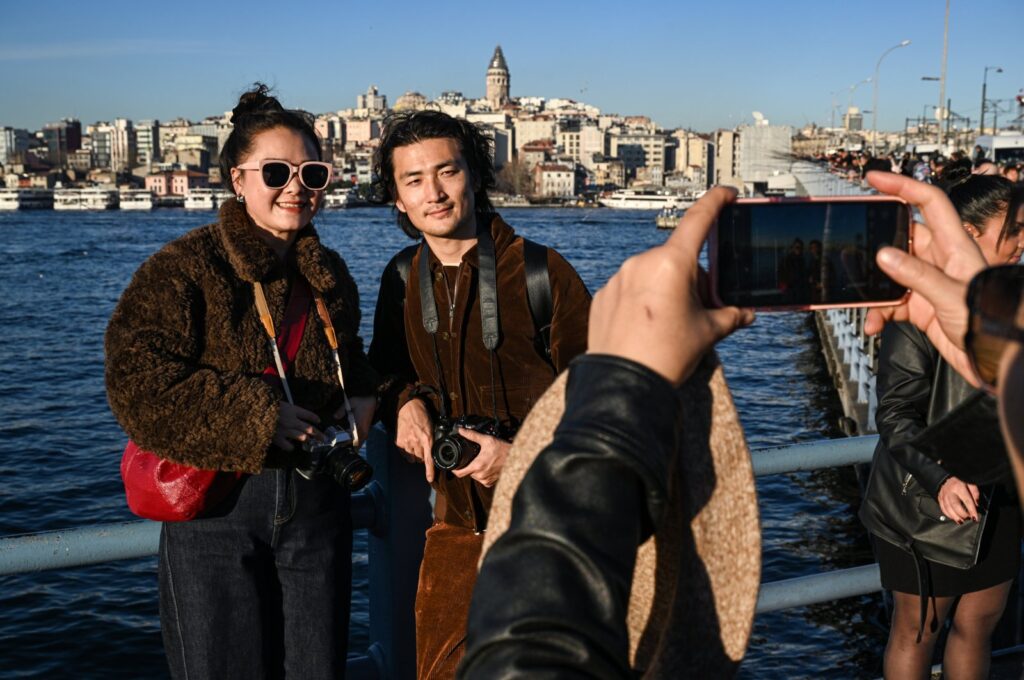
x=217, y=361
x=922, y=166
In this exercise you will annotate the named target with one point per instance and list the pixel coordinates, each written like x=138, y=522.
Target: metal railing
x=395, y=508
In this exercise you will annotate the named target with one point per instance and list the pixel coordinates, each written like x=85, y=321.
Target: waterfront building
x=113, y=146
x=147, y=141
x=124, y=146
x=62, y=138
x=530, y=105
x=813, y=140
x=693, y=157
x=361, y=131
x=81, y=160
x=536, y=152
x=726, y=166
x=571, y=107
x=411, y=101
x=530, y=129
x=498, y=80
x=193, y=151
x=554, y=180
x=501, y=149
x=13, y=145
x=452, y=103
x=217, y=128
x=853, y=120
x=765, y=151
x=168, y=131
x=639, y=149
x=609, y=172
x=176, y=182
x=101, y=144
x=372, y=102
x=581, y=141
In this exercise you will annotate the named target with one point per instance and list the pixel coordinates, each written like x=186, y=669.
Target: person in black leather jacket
x=600, y=485
x=649, y=318
x=915, y=388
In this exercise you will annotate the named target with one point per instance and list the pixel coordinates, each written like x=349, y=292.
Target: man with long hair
x=467, y=347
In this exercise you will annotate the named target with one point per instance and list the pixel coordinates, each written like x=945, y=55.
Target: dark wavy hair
x=257, y=111
x=979, y=198
x=410, y=127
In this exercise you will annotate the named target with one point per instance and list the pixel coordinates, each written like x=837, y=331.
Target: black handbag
x=897, y=509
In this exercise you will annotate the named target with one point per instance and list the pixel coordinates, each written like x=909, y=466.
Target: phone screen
x=803, y=253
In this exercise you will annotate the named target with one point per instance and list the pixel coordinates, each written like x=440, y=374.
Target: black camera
x=451, y=451
x=335, y=457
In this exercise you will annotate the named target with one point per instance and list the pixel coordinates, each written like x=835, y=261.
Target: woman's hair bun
x=256, y=101
x=954, y=175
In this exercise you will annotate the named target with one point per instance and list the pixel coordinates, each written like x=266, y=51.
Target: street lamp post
x=984, y=86
x=874, y=112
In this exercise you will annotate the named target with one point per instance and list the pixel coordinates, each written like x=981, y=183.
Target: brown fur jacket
x=185, y=348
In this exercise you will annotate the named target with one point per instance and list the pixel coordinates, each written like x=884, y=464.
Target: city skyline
x=683, y=65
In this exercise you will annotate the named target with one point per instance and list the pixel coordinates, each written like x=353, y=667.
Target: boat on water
x=509, y=201
x=344, y=198
x=26, y=199
x=644, y=199
x=136, y=199
x=90, y=198
x=668, y=218
x=206, y=199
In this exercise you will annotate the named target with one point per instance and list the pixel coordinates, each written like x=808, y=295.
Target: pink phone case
x=713, y=250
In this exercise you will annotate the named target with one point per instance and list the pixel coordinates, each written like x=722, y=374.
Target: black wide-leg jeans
x=261, y=589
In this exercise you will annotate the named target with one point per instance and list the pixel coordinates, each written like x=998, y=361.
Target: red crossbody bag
x=166, y=491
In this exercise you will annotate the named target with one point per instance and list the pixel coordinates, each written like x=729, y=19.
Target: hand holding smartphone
x=807, y=253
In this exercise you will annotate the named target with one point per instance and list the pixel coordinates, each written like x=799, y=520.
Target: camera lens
x=349, y=469
x=447, y=453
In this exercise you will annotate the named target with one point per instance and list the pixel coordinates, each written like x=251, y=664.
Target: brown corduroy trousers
x=447, y=577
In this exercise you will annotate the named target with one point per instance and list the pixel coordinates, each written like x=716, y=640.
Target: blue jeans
x=262, y=588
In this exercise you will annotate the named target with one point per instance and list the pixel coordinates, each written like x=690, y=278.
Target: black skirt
x=998, y=558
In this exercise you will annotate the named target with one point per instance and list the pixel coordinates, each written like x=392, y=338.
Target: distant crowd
x=924, y=167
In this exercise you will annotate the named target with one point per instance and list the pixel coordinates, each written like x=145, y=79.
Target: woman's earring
x=240, y=198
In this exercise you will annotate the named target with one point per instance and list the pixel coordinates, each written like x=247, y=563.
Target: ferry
x=509, y=201
x=206, y=199
x=136, y=199
x=90, y=198
x=343, y=198
x=644, y=199
x=26, y=199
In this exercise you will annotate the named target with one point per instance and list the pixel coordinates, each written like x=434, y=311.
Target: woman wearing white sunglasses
x=258, y=586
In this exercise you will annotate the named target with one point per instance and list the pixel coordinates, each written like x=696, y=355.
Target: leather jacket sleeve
x=553, y=592
x=906, y=376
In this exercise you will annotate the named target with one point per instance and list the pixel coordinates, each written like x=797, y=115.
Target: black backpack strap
x=403, y=262
x=538, y=291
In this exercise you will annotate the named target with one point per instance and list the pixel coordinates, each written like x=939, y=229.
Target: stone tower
x=497, y=80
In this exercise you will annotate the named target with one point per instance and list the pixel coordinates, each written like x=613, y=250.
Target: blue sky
x=700, y=65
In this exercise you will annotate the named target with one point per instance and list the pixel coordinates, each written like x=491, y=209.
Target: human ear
x=236, y=181
x=972, y=230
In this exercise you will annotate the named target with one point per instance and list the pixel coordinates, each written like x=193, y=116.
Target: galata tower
x=497, y=80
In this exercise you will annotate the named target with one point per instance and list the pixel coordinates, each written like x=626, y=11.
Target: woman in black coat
x=915, y=388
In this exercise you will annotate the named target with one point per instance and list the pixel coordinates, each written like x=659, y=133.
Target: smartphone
x=782, y=254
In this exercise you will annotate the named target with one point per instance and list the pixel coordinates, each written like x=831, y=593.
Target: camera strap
x=293, y=325
x=488, y=294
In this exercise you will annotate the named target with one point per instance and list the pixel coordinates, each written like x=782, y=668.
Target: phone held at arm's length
x=781, y=254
